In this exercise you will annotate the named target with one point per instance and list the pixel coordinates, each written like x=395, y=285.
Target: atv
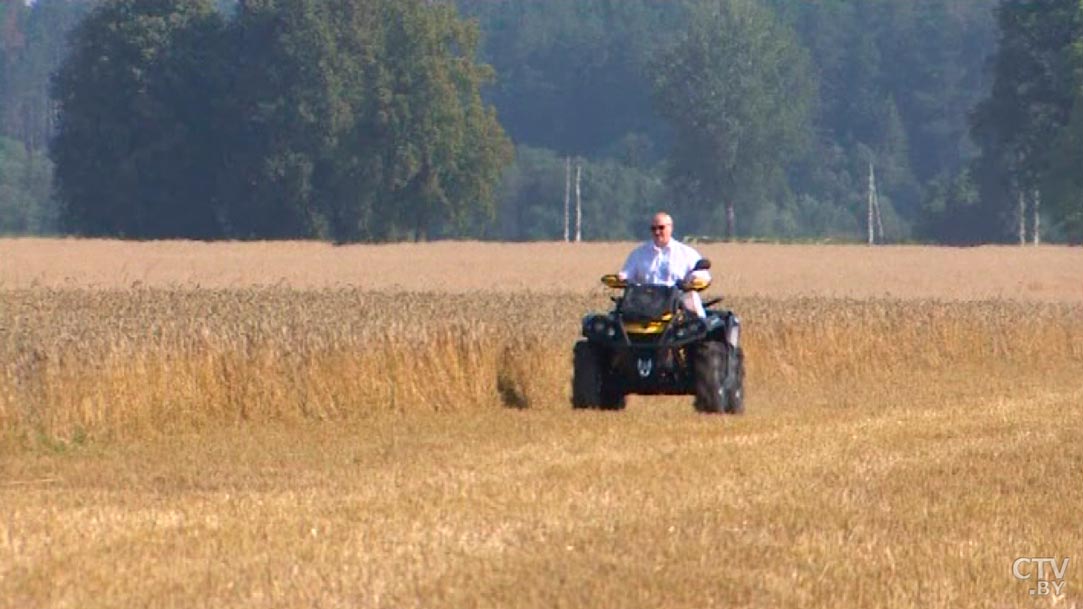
x=651, y=344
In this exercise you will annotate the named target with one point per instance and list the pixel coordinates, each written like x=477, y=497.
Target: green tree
x=358, y=119
x=617, y=199
x=897, y=82
x=1064, y=181
x=442, y=147
x=737, y=91
x=572, y=72
x=951, y=210
x=135, y=152
x=281, y=117
x=32, y=45
x=531, y=197
x=346, y=119
x=44, y=26
x=12, y=15
x=26, y=206
x=1030, y=103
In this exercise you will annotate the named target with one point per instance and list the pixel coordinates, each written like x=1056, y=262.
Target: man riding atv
x=659, y=338
x=666, y=261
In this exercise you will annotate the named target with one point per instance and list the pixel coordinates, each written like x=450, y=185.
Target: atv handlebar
x=613, y=280
x=689, y=285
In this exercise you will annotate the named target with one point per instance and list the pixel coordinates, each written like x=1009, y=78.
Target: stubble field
x=254, y=425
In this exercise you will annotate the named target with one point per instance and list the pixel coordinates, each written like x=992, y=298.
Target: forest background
x=373, y=120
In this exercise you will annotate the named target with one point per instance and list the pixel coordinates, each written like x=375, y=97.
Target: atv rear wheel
x=719, y=378
x=592, y=385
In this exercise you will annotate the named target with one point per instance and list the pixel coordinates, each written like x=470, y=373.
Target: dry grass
x=136, y=362
x=897, y=495
x=352, y=447
x=1047, y=274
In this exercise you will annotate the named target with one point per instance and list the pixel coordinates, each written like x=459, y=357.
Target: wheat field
x=1035, y=274
x=295, y=424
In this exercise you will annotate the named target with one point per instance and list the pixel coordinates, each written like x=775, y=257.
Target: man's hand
x=693, y=277
x=704, y=275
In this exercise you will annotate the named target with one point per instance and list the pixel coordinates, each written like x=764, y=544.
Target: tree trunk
x=1037, y=218
x=419, y=228
x=578, y=203
x=870, y=204
x=1022, y=218
x=567, y=193
x=731, y=220
x=879, y=220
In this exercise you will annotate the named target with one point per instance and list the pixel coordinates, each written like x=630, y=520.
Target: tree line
x=376, y=120
x=32, y=46
x=344, y=119
x=798, y=99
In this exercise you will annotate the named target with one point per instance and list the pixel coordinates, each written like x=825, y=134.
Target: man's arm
x=631, y=271
x=693, y=258
x=692, y=299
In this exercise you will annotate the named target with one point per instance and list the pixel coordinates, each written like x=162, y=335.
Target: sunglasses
x=658, y=227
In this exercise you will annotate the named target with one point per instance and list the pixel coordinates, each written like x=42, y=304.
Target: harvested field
x=388, y=426
x=1048, y=273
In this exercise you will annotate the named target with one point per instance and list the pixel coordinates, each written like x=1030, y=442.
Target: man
x=664, y=260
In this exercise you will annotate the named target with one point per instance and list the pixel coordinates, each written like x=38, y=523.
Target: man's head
x=661, y=229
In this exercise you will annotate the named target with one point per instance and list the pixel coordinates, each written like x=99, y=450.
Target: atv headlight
x=598, y=326
x=611, y=332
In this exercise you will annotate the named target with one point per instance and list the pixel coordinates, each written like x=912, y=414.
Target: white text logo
x=1046, y=574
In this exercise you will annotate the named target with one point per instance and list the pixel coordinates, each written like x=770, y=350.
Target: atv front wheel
x=592, y=386
x=735, y=381
x=719, y=378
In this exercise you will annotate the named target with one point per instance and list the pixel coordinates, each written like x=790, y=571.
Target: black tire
x=709, y=367
x=592, y=386
x=735, y=382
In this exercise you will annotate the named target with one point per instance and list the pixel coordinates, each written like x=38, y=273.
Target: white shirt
x=667, y=265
